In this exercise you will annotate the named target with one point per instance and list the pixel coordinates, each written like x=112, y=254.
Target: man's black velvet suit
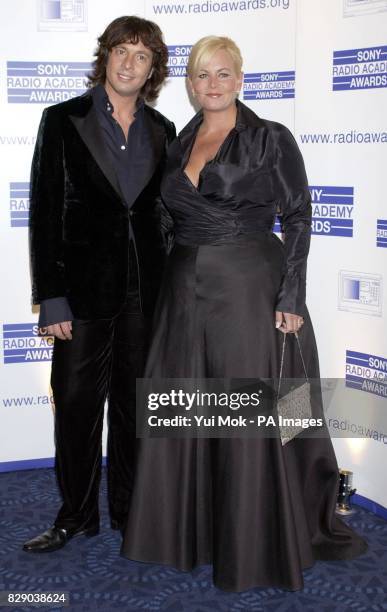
x=79, y=222
x=105, y=256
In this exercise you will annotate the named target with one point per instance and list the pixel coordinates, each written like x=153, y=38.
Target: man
x=97, y=252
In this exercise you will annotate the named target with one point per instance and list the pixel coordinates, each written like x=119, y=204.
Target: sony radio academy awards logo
x=45, y=82
x=178, y=60
x=22, y=343
x=364, y=68
x=366, y=372
x=62, y=15
x=19, y=204
x=357, y=8
x=381, y=233
x=269, y=85
x=360, y=292
x=332, y=210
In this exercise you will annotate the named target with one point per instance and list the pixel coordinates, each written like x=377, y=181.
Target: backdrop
x=318, y=66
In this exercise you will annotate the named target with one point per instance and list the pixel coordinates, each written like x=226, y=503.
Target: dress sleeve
x=295, y=210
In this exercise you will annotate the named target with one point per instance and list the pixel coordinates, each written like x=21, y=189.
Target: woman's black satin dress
x=259, y=512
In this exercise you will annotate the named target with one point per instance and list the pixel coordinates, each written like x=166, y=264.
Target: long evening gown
x=259, y=512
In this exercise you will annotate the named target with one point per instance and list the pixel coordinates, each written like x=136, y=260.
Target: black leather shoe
x=55, y=538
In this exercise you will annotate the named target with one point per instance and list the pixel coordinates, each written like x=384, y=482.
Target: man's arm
x=165, y=217
x=46, y=211
x=56, y=318
x=54, y=310
x=171, y=132
x=46, y=217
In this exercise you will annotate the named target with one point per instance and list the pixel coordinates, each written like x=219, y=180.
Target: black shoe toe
x=48, y=541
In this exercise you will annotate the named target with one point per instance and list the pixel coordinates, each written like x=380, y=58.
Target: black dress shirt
x=127, y=156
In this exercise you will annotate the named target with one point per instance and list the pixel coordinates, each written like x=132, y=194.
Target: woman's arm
x=291, y=186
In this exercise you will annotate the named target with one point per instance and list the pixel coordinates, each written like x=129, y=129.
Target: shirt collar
x=103, y=104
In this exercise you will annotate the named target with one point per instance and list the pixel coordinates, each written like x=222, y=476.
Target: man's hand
x=288, y=323
x=59, y=330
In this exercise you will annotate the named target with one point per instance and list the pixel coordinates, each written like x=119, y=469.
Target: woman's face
x=216, y=83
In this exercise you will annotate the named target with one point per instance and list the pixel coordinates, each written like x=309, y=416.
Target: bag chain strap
x=282, y=362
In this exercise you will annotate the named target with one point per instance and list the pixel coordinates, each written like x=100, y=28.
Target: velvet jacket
x=79, y=222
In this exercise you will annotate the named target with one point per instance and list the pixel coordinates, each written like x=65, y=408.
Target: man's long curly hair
x=132, y=30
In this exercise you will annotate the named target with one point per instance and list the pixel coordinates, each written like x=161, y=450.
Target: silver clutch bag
x=294, y=405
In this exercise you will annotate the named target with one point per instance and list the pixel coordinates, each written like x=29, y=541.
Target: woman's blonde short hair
x=206, y=47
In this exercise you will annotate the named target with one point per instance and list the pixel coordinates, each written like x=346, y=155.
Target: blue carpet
x=96, y=577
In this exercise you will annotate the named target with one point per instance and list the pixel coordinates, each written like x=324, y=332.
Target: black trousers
x=101, y=362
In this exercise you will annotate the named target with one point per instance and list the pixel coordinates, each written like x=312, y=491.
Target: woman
x=259, y=512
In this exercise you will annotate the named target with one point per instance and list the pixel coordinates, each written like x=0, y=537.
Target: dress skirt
x=259, y=512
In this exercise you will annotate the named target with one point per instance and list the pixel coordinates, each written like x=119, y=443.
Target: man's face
x=128, y=68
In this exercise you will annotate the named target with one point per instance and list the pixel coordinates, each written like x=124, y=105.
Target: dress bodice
x=231, y=199
x=257, y=172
